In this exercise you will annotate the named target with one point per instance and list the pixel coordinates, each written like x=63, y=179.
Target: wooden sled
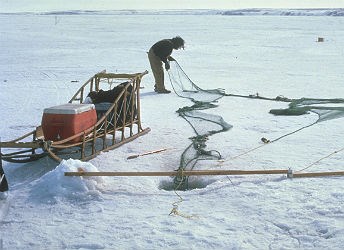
x=119, y=123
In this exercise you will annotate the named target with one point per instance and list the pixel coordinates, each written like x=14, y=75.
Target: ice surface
x=45, y=58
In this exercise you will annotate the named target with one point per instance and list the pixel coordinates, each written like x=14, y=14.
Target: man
x=160, y=53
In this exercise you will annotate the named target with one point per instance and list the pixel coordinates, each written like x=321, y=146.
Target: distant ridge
x=285, y=12
x=236, y=12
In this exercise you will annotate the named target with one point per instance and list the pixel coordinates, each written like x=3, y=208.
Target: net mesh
x=205, y=124
x=326, y=109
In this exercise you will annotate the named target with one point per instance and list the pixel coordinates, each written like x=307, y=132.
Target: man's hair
x=178, y=42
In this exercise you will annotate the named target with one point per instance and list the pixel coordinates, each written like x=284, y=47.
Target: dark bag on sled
x=103, y=100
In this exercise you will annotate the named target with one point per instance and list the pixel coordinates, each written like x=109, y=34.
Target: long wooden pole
x=208, y=172
x=318, y=174
x=178, y=173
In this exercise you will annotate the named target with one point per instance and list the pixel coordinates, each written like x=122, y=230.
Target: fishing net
x=326, y=109
x=203, y=124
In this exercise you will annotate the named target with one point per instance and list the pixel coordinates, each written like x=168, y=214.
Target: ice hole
x=192, y=183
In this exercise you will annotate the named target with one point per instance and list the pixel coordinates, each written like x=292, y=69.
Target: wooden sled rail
x=207, y=172
x=123, y=76
x=32, y=145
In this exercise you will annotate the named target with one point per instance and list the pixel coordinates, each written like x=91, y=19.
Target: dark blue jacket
x=163, y=49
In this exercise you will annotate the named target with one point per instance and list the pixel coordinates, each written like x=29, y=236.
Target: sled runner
x=82, y=130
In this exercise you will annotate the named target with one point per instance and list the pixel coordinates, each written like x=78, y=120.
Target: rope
x=266, y=141
x=327, y=156
x=279, y=98
x=174, y=210
x=246, y=152
x=307, y=126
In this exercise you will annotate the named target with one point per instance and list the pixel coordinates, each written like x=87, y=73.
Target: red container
x=66, y=120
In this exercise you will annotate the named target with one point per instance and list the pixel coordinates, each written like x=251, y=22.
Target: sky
x=53, y=5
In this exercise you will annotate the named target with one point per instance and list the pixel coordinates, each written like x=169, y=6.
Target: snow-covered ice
x=46, y=57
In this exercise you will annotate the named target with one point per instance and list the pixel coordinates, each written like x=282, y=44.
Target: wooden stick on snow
x=146, y=153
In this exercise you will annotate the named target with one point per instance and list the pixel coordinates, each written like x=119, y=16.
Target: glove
x=167, y=65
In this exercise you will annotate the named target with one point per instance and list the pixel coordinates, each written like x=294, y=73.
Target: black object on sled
x=104, y=99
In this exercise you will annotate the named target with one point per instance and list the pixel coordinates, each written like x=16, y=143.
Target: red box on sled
x=66, y=120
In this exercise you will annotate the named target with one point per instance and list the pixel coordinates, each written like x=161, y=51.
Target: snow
x=44, y=55
x=54, y=185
